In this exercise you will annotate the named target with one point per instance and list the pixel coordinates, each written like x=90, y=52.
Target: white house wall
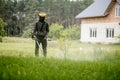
x=101, y=32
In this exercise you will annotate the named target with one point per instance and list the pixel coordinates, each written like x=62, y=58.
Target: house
x=100, y=22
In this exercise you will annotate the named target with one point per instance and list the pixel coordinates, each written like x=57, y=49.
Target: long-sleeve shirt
x=41, y=29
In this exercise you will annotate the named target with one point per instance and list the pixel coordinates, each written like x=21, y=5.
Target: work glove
x=45, y=37
x=32, y=36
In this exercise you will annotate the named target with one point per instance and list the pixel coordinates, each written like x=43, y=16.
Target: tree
x=25, y=13
x=2, y=24
x=12, y=12
x=58, y=11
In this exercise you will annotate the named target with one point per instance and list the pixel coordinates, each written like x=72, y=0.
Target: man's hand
x=45, y=37
x=32, y=36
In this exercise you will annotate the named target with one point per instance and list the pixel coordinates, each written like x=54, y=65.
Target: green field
x=66, y=60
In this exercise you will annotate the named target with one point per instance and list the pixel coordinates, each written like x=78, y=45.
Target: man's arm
x=47, y=29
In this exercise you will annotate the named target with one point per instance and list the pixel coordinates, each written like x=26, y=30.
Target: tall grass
x=20, y=68
x=59, y=49
x=79, y=62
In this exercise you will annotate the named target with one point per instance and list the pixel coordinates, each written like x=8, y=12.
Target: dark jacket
x=41, y=29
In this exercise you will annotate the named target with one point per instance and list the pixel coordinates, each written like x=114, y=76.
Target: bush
x=71, y=33
x=57, y=31
x=2, y=24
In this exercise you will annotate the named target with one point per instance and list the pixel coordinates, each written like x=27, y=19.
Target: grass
x=82, y=61
x=51, y=69
x=59, y=49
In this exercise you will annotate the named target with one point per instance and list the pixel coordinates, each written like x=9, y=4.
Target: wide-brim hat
x=42, y=14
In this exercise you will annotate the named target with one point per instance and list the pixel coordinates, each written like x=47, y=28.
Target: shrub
x=2, y=24
x=55, y=30
x=71, y=33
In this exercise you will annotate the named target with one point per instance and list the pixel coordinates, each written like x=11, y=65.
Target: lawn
x=66, y=60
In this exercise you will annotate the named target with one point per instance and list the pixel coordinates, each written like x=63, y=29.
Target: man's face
x=42, y=18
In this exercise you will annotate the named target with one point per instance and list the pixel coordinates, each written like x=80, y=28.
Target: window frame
x=117, y=11
x=110, y=32
x=93, y=32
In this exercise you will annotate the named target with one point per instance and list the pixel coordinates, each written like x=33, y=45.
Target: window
x=93, y=32
x=110, y=32
x=117, y=11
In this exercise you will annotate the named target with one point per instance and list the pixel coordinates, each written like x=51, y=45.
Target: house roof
x=97, y=9
x=118, y=1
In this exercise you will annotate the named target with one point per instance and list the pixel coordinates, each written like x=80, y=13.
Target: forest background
x=17, y=17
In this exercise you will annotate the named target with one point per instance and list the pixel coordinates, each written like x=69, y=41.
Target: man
x=40, y=33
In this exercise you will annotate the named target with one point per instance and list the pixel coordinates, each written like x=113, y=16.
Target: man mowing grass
x=40, y=33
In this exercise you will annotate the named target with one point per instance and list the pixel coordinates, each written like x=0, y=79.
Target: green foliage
x=27, y=33
x=12, y=12
x=18, y=62
x=57, y=31
x=73, y=32
x=26, y=12
x=58, y=11
x=2, y=24
x=37, y=69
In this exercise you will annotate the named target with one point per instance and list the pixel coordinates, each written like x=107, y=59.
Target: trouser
x=44, y=47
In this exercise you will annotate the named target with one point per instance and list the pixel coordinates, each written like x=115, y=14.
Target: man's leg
x=37, y=48
x=44, y=47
